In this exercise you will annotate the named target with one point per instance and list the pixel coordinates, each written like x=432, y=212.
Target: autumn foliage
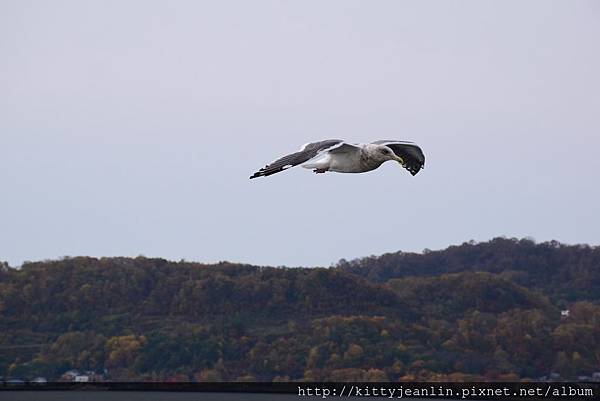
x=487, y=311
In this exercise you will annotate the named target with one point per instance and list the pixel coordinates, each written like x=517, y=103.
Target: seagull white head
x=384, y=153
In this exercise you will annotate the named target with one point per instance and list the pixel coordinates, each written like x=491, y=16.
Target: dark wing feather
x=414, y=159
x=307, y=153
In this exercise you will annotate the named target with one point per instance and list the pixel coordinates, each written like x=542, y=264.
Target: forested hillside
x=564, y=273
x=479, y=310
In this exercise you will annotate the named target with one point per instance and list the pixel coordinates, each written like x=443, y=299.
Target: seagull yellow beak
x=400, y=160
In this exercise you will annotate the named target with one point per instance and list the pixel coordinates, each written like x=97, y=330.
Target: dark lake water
x=151, y=396
x=137, y=396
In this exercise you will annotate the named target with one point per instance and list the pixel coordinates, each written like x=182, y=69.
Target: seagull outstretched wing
x=308, y=151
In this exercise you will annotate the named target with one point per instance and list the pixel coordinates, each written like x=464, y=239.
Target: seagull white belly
x=339, y=163
x=345, y=163
x=319, y=162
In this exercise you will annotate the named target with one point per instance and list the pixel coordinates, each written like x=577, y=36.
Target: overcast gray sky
x=131, y=127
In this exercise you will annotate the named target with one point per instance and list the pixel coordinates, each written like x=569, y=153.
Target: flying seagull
x=343, y=157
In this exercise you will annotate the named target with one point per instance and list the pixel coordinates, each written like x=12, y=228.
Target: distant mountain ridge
x=564, y=272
